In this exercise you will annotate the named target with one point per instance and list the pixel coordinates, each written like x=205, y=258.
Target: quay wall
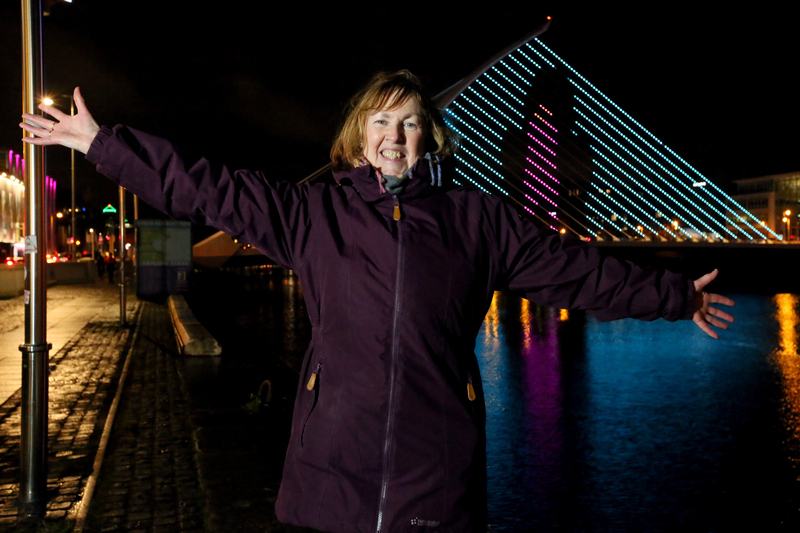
x=754, y=268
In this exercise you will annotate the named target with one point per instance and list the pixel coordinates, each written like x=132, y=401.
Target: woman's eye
x=381, y=122
x=411, y=125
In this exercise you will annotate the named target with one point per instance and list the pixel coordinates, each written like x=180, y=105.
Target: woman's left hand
x=76, y=132
x=704, y=314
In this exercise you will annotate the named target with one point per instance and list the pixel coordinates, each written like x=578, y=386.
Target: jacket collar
x=365, y=180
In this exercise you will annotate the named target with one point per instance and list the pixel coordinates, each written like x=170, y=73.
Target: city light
x=788, y=221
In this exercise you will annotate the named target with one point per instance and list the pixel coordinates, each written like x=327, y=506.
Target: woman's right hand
x=76, y=132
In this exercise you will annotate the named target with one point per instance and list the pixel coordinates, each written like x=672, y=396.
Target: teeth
x=391, y=154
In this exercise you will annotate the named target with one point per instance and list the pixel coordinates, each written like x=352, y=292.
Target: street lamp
x=35, y=350
x=787, y=218
x=122, y=303
x=49, y=101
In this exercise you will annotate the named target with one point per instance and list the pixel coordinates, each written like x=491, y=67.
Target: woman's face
x=395, y=138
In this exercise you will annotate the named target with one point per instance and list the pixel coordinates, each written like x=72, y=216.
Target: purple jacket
x=385, y=435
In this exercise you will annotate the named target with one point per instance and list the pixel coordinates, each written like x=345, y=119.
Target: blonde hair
x=389, y=91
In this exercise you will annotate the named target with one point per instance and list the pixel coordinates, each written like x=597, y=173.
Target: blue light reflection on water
x=641, y=426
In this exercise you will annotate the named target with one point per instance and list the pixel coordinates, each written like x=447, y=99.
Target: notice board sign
x=163, y=257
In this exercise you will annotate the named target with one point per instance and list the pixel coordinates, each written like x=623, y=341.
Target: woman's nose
x=398, y=134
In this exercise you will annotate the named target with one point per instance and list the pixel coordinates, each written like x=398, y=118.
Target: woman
x=398, y=269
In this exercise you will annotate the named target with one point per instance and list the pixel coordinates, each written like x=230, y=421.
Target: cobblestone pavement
x=83, y=379
x=180, y=457
x=12, y=311
x=150, y=480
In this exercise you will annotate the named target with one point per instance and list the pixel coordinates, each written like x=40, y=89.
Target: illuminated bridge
x=537, y=132
x=533, y=129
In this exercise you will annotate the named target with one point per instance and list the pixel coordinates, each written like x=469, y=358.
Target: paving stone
x=163, y=471
x=74, y=428
x=144, y=452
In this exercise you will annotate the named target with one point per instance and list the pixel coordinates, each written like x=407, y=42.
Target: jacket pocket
x=312, y=385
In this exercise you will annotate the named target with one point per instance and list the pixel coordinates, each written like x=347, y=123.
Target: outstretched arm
x=76, y=132
x=704, y=314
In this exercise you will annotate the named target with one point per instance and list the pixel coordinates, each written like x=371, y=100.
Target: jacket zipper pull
x=397, y=213
x=312, y=381
x=470, y=389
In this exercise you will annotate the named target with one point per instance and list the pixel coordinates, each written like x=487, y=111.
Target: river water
x=617, y=426
x=642, y=426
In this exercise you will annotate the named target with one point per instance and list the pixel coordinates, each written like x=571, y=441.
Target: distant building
x=12, y=200
x=12, y=204
x=769, y=197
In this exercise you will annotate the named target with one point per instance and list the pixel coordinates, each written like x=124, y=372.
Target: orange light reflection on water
x=525, y=320
x=788, y=362
x=491, y=323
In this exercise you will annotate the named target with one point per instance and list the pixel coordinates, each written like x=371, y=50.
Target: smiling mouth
x=392, y=154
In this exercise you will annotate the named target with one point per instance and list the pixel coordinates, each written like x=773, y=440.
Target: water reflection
x=636, y=426
x=520, y=355
x=788, y=362
x=491, y=324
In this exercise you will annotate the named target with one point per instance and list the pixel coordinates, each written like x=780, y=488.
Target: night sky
x=239, y=83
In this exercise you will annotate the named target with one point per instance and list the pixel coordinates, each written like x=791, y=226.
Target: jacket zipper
x=312, y=381
x=470, y=389
x=312, y=385
x=397, y=215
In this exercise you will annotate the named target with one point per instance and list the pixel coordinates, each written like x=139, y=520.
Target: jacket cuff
x=691, y=306
x=95, y=153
